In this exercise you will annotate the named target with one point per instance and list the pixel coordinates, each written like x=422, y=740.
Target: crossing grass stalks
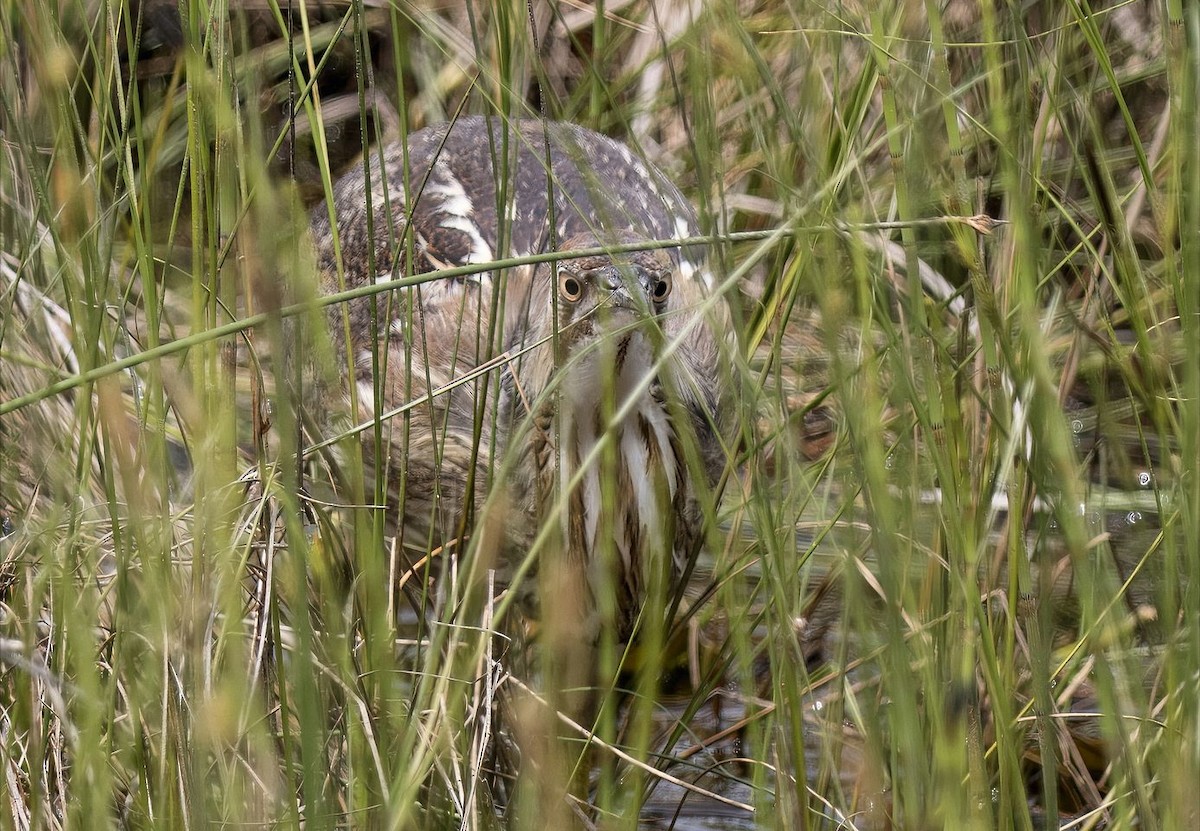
x=951, y=580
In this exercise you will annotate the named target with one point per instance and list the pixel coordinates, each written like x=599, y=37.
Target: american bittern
x=608, y=351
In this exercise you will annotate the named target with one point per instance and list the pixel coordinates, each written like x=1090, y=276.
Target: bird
x=582, y=392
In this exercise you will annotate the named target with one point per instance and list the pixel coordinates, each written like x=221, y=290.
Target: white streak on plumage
x=458, y=213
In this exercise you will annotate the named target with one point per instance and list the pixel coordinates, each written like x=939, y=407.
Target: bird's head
x=595, y=318
x=603, y=294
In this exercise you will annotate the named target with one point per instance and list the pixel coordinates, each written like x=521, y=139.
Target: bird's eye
x=569, y=287
x=662, y=289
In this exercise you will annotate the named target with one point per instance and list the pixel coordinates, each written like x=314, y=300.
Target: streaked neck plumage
x=602, y=437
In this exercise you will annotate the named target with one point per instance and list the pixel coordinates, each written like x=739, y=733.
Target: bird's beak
x=616, y=283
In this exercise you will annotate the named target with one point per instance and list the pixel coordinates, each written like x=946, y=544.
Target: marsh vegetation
x=951, y=580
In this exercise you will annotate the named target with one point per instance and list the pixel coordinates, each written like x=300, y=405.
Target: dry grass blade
x=595, y=740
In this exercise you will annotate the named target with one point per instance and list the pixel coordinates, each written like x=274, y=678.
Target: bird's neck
x=607, y=379
x=620, y=495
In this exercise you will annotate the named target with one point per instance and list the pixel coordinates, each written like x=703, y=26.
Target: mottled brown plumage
x=578, y=344
x=632, y=510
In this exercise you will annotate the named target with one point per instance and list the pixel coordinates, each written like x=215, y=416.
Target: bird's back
x=477, y=190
